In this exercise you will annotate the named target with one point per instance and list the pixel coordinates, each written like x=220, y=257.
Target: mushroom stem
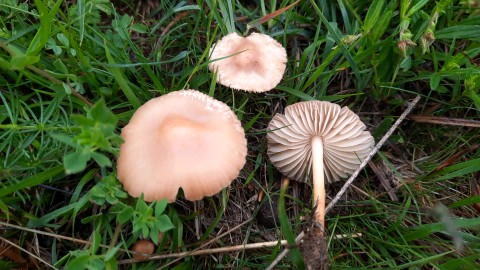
x=318, y=181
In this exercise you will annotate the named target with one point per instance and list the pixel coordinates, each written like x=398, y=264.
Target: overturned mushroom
x=254, y=63
x=318, y=138
x=184, y=139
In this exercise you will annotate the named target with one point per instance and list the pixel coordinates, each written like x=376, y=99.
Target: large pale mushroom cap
x=184, y=139
x=257, y=66
x=345, y=141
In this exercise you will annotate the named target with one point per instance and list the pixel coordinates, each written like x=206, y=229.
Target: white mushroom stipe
x=255, y=63
x=184, y=139
x=318, y=177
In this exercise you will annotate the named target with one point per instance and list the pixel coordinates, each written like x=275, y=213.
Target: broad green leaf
x=67, y=88
x=140, y=28
x=459, y=32
x=125, y=215
x=160, y=207
x=63, y=39
x=154, y=233
x=79, y=263
x=424, y=230
x=467, y=262
x=101, y=113
x=111, y=264
x=112, y=252
x=60, y=66
x=75, y=162
x=96, y=240
x=415, y=8
x=101, y=159
x=19, y=62
x=164, y=223
x=83, y=121
x=64, y=139
x=141, y=206
x=465, y=201
x=435, y=80
x=373, y=14
x=458, y=170
x=43, y=34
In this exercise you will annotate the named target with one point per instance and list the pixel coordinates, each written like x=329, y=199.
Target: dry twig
x=371, y=154
x=28, y=252
x=445, y=121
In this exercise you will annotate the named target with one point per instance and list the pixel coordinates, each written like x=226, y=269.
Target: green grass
x=58, y=153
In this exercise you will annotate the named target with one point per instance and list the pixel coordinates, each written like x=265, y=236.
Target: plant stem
x=318, y=181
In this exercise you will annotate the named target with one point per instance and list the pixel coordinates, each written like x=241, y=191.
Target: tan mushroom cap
x=143, y=247
x=257, y=66
x=345, y=141
x=184, y=139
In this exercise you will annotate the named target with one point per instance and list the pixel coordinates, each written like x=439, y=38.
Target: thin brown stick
x=118, y=229
x=173, y=22
x=454, y=158
x=46, y=75
x=169, y=26
x=28, y=252
x=229, y=249
x=384, y=181
x=211, y=251
x=285, y=252
x=58, y=236
x=268, y=17
x=371, y=154
x=180, y=255
x=209, y=242
x=55, y=80
x=80, y=241
x=445, y=121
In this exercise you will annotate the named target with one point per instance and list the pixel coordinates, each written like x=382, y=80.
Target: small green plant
x=109, y=190
x=147, y=220
x=97, y=133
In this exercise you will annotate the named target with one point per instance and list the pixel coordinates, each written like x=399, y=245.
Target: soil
x=314, y=249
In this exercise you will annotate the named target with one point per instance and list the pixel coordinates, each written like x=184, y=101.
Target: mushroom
x=318, y=138
x=255, y=63
x=184, y=139
x=142, y=249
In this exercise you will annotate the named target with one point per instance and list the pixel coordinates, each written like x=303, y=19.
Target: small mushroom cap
x=145, y=247
x=184, y=139
x=345, y=141
x=258, y=63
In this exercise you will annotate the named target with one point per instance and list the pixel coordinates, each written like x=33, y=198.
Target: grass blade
x=32, y=181
x=122, y=82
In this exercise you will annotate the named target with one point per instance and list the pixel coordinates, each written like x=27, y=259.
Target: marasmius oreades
x=318, y=139
x=255, y=63
x=185, y=139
